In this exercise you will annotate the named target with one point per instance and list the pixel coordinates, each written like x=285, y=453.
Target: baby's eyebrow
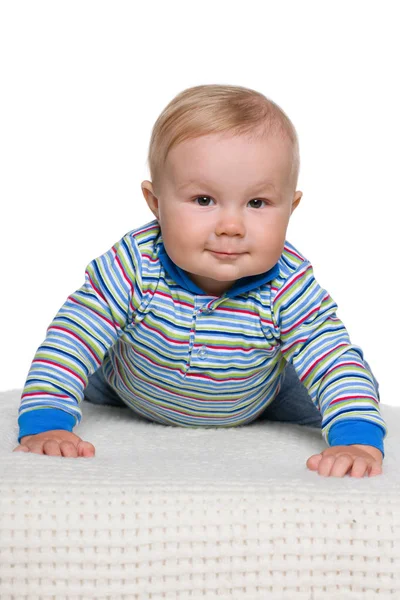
x=185, y=185
x=262, y=185
x=191, y=182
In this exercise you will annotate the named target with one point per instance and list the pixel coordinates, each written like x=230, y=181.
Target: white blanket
x=168, y=512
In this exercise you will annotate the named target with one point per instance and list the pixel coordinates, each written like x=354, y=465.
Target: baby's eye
x=201, y=198
x=257, y=200
x=203, y=201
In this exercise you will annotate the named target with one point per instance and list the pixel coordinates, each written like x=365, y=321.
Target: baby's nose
x=230, y=223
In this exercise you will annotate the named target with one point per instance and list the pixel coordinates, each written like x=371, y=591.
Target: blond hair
x=206, y=109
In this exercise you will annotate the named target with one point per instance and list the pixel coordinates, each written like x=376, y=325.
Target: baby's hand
x=336, y=461
x=57, y=442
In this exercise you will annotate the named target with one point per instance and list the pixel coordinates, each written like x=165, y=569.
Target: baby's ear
x=147, y=187
x=296, y=200
x=151, y=199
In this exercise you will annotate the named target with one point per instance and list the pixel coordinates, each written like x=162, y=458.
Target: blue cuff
x=44, y=419
x=356, y=431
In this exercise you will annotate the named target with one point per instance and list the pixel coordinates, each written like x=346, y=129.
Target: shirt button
x=202, y=353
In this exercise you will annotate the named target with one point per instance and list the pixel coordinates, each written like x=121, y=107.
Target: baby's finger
x=360, y=467
x=86, y=449
x=37, y=449
x=313, y=462
x=68, y=449
x=21, y=448
x=342, y=465
x=325, y=465
x=375, y=469
x=51, y=448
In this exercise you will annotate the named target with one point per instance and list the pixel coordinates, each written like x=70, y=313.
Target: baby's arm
x=332, y=369
x=86, y=326
x=57, y=442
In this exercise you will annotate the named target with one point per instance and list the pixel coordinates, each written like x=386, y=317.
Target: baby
x=207, y=315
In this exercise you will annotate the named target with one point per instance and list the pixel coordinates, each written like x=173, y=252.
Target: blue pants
x=292, y=404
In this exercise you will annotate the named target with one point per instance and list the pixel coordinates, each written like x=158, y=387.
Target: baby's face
x=224, y=206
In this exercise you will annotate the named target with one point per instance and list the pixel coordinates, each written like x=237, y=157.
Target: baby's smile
x=226, y=255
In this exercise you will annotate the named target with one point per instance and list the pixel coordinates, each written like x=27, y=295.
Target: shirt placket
x=201, y=307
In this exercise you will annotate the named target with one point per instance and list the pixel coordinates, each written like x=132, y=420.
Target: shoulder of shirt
x=290, y=261
x=146, y=236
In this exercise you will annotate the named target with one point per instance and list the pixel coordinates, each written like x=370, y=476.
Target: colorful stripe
x=186, y=359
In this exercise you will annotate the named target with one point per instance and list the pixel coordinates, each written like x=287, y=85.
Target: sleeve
x=85, y=327
x=315, y=341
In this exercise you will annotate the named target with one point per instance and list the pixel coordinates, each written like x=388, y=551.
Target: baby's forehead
x=219, y=145
x=190, y=159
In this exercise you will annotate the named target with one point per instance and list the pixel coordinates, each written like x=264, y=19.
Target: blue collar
x=245, y=284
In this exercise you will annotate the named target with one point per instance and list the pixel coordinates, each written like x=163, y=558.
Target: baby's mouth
x=226, y=254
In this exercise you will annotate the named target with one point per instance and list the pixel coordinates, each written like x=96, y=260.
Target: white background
x=82, y=83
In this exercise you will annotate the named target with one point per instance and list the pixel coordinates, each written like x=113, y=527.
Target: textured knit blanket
x=164, y=512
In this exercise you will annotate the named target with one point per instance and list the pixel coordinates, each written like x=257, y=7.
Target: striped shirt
x=178, y=356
